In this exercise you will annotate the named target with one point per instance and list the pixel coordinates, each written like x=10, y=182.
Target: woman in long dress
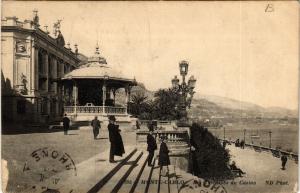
x=164, y=159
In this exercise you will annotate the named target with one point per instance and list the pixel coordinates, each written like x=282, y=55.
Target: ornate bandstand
x=91, y=91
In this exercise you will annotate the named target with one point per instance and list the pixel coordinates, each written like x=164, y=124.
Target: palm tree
x=138, y=101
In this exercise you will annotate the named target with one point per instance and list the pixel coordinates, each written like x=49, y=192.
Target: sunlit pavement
x=79, y=144
x=263, y=172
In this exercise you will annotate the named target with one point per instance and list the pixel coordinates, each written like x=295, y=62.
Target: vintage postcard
x=149, y=97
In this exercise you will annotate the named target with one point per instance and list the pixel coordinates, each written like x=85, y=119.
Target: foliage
x=166, y=101
x=210, y=158
x=139, y=106
x=163, y=107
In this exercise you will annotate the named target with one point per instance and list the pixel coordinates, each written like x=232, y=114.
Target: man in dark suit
x=283, y=161
x=96, y=126
x=116, y=142
x=66, y=124
x=151, y=147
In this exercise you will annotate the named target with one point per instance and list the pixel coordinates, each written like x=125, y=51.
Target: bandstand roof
x=97, y=68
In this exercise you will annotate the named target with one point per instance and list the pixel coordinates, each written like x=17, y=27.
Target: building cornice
x=43, y=36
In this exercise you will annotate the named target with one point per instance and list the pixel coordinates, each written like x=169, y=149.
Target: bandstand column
x=75, y=96
x=114, y=96
x=103, y=97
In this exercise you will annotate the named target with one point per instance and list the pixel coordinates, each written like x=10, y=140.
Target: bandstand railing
x=95, y=109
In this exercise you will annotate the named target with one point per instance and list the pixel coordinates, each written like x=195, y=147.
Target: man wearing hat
x=116, y=142
x=152, y=146
x=96, y=126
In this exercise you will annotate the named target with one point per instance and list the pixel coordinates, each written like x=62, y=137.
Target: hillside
x=226, y=107
x=209, y=106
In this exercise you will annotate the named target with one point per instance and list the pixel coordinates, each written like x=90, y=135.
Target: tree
x=166, y=101
x=138, y=104
x=163, y=107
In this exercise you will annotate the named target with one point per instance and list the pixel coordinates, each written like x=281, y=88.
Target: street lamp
x=183, y=68
x=185, y=90
x=244, y=135
x=270, y=135
x=175, y=82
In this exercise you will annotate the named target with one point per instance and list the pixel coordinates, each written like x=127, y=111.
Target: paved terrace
x=261, y=167
x=131, y=174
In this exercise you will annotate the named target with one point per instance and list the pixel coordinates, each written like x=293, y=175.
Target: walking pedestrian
x=96, y=126
x=150, y=126
x=164, y=159
x=66, y=124
x=116, y=142
x=283, y=161
x=151, y=147
x=243, y=144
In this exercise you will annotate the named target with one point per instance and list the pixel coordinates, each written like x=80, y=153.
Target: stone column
x=62, y=68
x=34, y=68
x=46, y=66
x=54, y=74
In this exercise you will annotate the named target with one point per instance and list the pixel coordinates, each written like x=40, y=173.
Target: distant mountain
x=141, y=88
x=230, y=103
x=209, y=106
x=282, y=111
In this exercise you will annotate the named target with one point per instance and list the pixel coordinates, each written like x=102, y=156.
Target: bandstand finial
x=97, y=49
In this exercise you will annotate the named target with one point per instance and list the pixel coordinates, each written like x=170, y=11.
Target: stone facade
x=33, y=63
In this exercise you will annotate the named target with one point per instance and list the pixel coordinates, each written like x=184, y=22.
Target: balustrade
x=275, y=152
x=170, y=136
x=95, y=109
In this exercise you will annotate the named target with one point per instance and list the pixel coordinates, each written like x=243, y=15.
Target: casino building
x=42, y=79
x=33, y=64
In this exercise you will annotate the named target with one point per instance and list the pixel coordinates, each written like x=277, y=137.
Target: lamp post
x=185, y=90
x=244, y=135
x=270, y=135
x=224, y=133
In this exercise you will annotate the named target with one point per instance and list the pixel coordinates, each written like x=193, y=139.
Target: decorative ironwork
x=95, y=109
x=185, y=90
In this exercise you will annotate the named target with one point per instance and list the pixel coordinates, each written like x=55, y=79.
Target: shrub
x=210, y=159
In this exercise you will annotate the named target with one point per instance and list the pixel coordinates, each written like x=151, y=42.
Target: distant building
x=33, y=63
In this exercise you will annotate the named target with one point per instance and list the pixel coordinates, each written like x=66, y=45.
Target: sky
x=247, y=51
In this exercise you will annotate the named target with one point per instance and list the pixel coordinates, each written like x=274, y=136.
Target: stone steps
x=117, y=181
x=130, y=174
x=143, y=183
x=135, y=176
